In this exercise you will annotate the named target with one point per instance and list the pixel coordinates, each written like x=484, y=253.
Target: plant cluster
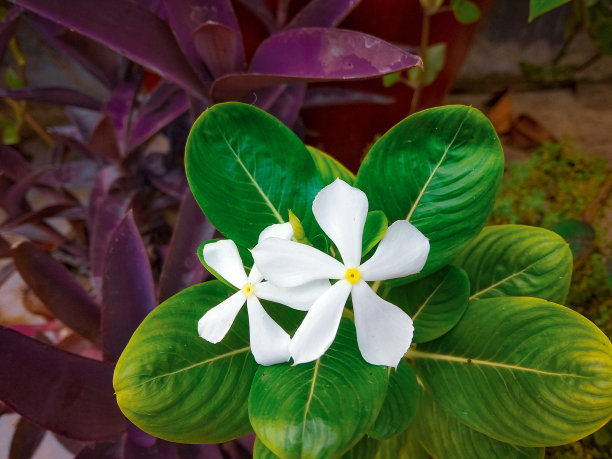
x=479, y=312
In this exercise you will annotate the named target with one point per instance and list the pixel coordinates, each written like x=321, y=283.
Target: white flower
x=384, y=331
x=269, y=342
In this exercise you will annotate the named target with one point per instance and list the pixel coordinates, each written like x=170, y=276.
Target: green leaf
x=173, y=384
x=435, y=303
x=246, y=170
x=579, y=235
x=403, y=446
x=373, y=231
x=391, y=79
x=440, y=170
x=516, y=260
x=318, y=409
x=365, y=449
x=599, y=26
x=330, y=168
x=444, y=436
x=400, y=404
x=433, y=62
x=521, y=370
x=465, y=11
x=539, y=7
x=298, y=229
x=10, y=131
x=260, y=451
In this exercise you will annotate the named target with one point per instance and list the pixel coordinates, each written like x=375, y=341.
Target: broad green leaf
x=173, y=384
x=365, y=449
x=400, y=404
x=444, y=436
x=318, y=409
x=330, y=168
x=440, y=170
x=539, y=7
x=465, y=11
x=579, y=235
x=516, y=260
x=403, y=446
x=521, y=370
x=246, y=170
x=373, y=231
x=435, y=303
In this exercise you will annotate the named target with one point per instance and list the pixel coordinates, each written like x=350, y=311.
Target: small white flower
x=269, y=342
x=384, y=331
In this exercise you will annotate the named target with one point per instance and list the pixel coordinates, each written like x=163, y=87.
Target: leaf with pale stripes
x=444, y=436
x=400, y=405
x=365, y=449
x=435, y=303
x=440, y=170
x=247, y=170
x=521, y=370
x=516, y=260
x=173, y=384
x=403, y=446
x=318, y=409
x=330, y=168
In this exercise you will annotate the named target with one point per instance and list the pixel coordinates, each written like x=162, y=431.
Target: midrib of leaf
x=470, y=361
x=433, y=173
x=310, y=395
x=500, y=282
x=426, y=302
x=254, y=182
x=195, y=365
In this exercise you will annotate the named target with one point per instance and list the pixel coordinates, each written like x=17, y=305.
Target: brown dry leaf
x=527, y=132
x=500, y=114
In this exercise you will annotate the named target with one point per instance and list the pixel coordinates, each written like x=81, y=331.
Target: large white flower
x=269, y=342
x=384, y=331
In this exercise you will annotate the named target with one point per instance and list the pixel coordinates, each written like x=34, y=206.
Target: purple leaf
x=199, y=451
x=159, y=450
x=106, y=450
x=40, y=232
x=103, y=140
x=320, y=96
x=8, y=27
x=26, y=439
x=322, y=13
x=106, y=209
x=181, y=267
x=247, y=442
x=57, y=289
x=128, y=292
x=5, y=248
x=119, y=108
x=75, y=173
x=36, y=217
x=315, y=54
x=220, y=47
x=57, y=390
x=261, y=12
x=137, y=436
x=103, y=63
x=164, y=105
x=53, y=95
x=13, y=200
x=13, y=164
x=128, y=29
x=288, y=104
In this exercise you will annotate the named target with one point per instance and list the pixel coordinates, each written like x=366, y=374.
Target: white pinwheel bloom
x=269, y=342
x=384, y=331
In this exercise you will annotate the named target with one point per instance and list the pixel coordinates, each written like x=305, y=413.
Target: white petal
x=214, y=325
x=289, y=263
x=269, y=342
x=255, y=276
x=301, y=297
x=341, y=211
x=384, y=331
x=280, y=230
x=402, y=251
x=319, y=328
x=223, y=257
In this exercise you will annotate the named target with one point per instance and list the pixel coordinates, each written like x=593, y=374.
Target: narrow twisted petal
x=301, y=297
x=269, y=342
x=402, y=251
x=341, y=212
x=214, y=325
x=289, y=263
x=319, y=328
x=223, y=257
x=384, y=331
x=279, y=230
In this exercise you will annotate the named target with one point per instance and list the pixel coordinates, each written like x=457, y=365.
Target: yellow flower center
x=352, y=275
x=248, y=289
